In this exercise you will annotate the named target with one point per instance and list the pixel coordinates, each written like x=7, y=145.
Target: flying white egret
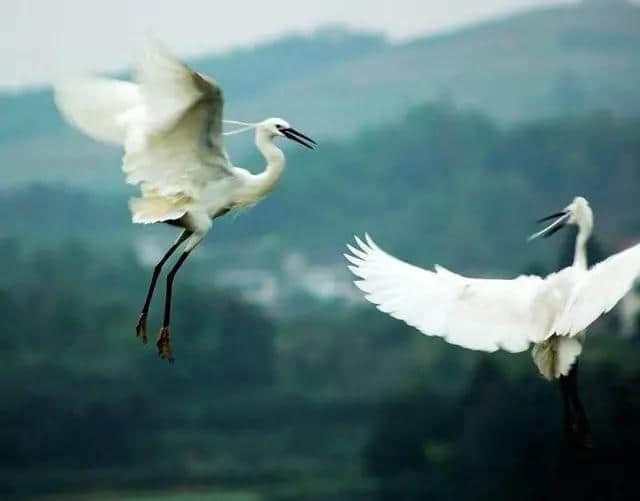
x=170, y=125
x=490, y=314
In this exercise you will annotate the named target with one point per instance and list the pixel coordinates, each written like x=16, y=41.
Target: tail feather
x=153, y=209
x=555, y=356
x=99, y=107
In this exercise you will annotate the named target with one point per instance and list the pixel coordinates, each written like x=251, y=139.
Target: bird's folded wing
x=478, y=314
x=179, y=146
x=599, y=290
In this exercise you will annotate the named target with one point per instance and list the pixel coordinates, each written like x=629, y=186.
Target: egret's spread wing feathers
x=181, y=159
x=170, y=124
x=99, y=107
x=474, y=313
x=599, y=290
x=169, y=88
x=178, y=148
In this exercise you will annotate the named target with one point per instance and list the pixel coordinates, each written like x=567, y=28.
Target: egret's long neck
x=275, y=161
x=580, y=254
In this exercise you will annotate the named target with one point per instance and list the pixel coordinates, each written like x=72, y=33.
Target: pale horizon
x=96, y=37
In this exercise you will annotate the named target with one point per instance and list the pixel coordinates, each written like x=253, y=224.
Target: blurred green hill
x=340, y=404
x=244, y=74
x=541, y=63
x=441, y=186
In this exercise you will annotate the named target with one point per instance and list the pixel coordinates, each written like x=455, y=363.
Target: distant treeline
x=443, y=185
x=341, y=404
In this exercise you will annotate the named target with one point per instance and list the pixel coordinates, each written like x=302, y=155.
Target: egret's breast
x=217, y=195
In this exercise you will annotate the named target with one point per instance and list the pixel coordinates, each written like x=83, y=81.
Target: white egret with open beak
x=170, y=125
x=551, y=312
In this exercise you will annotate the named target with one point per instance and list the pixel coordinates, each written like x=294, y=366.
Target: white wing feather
x=169, y=87
x=99, y=107
x=179, y=146
x=479, y=314
x=170, y=123
x=483, y=314
x=599, y=290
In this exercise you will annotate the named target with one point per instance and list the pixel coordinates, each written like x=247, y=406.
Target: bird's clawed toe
x=141, y=327
x=164, y=345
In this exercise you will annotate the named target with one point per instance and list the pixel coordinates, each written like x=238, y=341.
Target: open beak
x=298, y=137
x=561, y=219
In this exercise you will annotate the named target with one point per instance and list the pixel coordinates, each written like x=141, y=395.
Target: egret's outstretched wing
x=599, y=290
x=99, y=107
x=169, y=88
x=178, y=146
x=478, y=314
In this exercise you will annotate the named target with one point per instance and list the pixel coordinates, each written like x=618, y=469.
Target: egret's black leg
x=163, y=344
x=141, y=327
x=576, y=424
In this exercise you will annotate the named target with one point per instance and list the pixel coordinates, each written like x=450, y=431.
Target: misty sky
x=42, y=40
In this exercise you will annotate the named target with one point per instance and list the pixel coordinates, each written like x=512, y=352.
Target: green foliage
x=351, y=405
x=79, y=392
x=500, y=439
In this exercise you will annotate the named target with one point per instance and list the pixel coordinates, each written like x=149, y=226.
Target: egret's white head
x=577, y=212
x=272, y=128
x=580, y=213
x=273, y=125
x=278, y=127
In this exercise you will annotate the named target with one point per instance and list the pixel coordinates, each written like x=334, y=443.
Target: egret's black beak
x=561, y=220
x=298, y=137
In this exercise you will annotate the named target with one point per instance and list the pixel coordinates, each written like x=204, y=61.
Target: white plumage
x=170, y=124
x=99, y=107
x=490, y=314
x=599, y=290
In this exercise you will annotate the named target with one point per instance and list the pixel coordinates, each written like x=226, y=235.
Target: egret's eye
x=279, y=127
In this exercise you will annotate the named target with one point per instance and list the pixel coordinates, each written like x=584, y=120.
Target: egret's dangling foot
x=164, y=345
x=141, y=327
x=576, y=424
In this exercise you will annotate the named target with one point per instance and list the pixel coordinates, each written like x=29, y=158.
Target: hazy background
x=445, y=130
x=42, y=40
